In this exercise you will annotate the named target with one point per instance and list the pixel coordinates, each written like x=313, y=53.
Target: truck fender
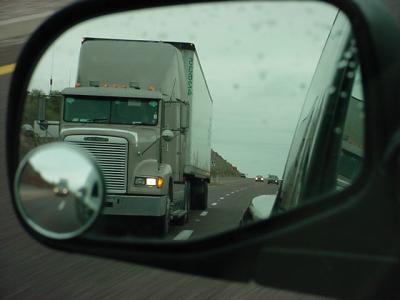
x=165, y=171
x=151, y=167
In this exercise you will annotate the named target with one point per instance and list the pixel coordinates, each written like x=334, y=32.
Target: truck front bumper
x=135, y=205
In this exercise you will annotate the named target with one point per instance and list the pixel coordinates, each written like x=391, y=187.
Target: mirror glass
x=263, y=100
x=59, y=190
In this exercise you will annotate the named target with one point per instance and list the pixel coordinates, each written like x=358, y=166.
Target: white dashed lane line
x=221, y=198
x=204, y=213
x=61, y=205
x=183, y=235
x=213, y=204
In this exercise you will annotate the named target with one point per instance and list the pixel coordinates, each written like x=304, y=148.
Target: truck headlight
x=150, y=181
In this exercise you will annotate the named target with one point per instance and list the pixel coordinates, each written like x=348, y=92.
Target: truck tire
x=162, y=223
x=186, y=204
x=199, y=194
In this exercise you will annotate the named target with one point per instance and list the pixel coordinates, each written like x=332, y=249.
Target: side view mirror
x=303, y=90
x=167, y=135
x=261, y=207
x=59, y=191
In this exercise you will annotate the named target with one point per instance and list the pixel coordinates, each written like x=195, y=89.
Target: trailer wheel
x=199, y=194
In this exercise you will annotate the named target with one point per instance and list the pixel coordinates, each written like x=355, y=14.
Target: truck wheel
x=162, y=226
x=186, y=204
x=199, y=194
x=171, y=192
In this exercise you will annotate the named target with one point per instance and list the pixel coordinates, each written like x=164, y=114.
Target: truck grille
x=111, y=156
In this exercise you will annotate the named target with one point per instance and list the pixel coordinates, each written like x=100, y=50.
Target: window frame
x=110, y=100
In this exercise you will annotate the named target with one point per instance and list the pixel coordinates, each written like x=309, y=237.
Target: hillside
x=221, y=167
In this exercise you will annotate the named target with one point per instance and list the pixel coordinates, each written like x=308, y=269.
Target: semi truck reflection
x=61, y=189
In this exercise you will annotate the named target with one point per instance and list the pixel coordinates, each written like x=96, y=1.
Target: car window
x=327, y=150
x=352, y=145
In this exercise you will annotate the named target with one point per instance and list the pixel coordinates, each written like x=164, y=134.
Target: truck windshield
x=111, y=111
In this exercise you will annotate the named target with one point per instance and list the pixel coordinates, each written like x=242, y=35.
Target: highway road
x=227, y=202
x=29, y=270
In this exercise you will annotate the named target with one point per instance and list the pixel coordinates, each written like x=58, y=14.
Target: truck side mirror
x=43, y=124
x=167, y=135
x=27, y=130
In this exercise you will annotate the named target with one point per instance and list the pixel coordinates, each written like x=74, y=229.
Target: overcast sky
x=76, y=169
x=258, y=59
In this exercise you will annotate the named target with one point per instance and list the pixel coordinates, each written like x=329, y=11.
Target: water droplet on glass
x=256, y=26
x=262, y=74
x=260, y=55
x=271, y=23
x=348, y=54
x=343, y=63
x=331, y=90
x=162, y=35
x=352, y=64
x=310, y=10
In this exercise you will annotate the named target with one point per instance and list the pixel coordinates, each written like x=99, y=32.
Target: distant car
x=61, y=188
x=259, y=178
x=273, y=179
x=60, y=191
x=242, y=175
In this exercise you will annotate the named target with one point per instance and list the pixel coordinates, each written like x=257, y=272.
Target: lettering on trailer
x=190, y=76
